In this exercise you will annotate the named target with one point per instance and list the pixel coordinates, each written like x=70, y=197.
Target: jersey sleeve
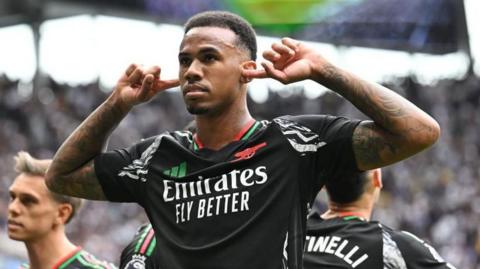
x=139, y=253
x=122, y=172
x=334, y=151
x=417, y=253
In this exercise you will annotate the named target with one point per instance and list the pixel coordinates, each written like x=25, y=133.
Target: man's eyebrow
x=208, y=50
x=201, y=51
x=29, y=196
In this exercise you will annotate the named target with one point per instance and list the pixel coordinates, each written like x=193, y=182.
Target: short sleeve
x=140, y=252
x=334, y=152
x=417, y=253
x=122, y=172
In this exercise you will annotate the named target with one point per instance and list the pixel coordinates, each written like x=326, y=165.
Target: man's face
x=32, y=213
x=210, y=69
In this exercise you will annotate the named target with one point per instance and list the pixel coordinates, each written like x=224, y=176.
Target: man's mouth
x=194, y=89
x=12, y=223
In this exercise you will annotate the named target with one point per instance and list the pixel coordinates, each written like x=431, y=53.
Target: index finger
x=257, y=73
x=163, y=84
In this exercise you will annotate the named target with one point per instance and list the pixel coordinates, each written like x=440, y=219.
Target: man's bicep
x=83, y=183
x=374, y=147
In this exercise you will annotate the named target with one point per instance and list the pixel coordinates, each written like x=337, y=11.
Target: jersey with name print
x=140, y=252
x=79, y=259
x=350, y=242
x=242, y=206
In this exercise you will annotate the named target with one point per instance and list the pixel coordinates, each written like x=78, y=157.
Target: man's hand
x=139, y=84
x=289, y=61
x=399, y=128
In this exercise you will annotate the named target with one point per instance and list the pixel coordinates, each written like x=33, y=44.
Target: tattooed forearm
x=81, y=183
x=399, y=129
x=384, y=106
x=71, y=171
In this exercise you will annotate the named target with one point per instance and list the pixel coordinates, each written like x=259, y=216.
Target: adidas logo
x=177, y=171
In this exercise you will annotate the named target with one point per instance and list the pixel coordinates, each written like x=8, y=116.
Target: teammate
x=38, y=217
x=140, y=252
x=234, y=193
x=345, y=237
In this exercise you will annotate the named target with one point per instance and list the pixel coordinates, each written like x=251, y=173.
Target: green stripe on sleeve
x=151, y=247
x=142, y=238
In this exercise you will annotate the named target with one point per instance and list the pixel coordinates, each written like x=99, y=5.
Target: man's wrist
x=117, y=105
x=328, y=75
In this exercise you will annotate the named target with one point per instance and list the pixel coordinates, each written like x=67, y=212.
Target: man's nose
x=194, y=72
x=13, y=207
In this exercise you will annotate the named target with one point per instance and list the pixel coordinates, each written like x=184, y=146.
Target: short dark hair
x=347, y=187
x=238, y=25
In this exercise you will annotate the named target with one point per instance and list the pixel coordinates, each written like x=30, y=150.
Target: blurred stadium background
x=60, y=59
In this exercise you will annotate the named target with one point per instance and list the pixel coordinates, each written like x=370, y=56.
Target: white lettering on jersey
x=337, y=246
x=224, y=196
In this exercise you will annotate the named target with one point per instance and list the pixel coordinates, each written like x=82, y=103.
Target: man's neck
x=44, y=253
x=217, y=131
x=359, y=210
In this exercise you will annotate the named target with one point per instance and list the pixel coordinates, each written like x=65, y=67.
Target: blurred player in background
x=234, y=193
x=140, y=252
x=345, y=237
x=37, y=217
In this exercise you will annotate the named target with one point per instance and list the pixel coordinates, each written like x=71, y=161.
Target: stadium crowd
x=435, y=194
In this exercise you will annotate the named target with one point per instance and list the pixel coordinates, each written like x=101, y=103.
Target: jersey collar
x=350, y=216
x=244, y=134
x=67, y=258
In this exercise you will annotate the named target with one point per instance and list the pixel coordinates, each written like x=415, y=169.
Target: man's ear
x=247, y=65
x=377, y=178
x=64, y=212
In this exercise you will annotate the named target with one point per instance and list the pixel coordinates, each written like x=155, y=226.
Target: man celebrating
x=38, y=217
x=234, y=193
x=345, y=237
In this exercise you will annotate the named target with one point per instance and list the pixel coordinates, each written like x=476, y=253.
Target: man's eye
x=27, y=201
x=210, y=58
x=184, y=61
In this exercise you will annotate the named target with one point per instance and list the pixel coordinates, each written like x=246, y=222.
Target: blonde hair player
x=37, y=217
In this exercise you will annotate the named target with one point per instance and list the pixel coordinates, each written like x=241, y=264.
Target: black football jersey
x=140, y=252
x=243, y=206
x=350, y=242
x=79, y=259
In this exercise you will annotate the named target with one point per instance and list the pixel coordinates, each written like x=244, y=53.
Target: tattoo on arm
x=384, y=106
x=370, y=147
x=72, y=170
x=82, y=183
x=399, y=128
